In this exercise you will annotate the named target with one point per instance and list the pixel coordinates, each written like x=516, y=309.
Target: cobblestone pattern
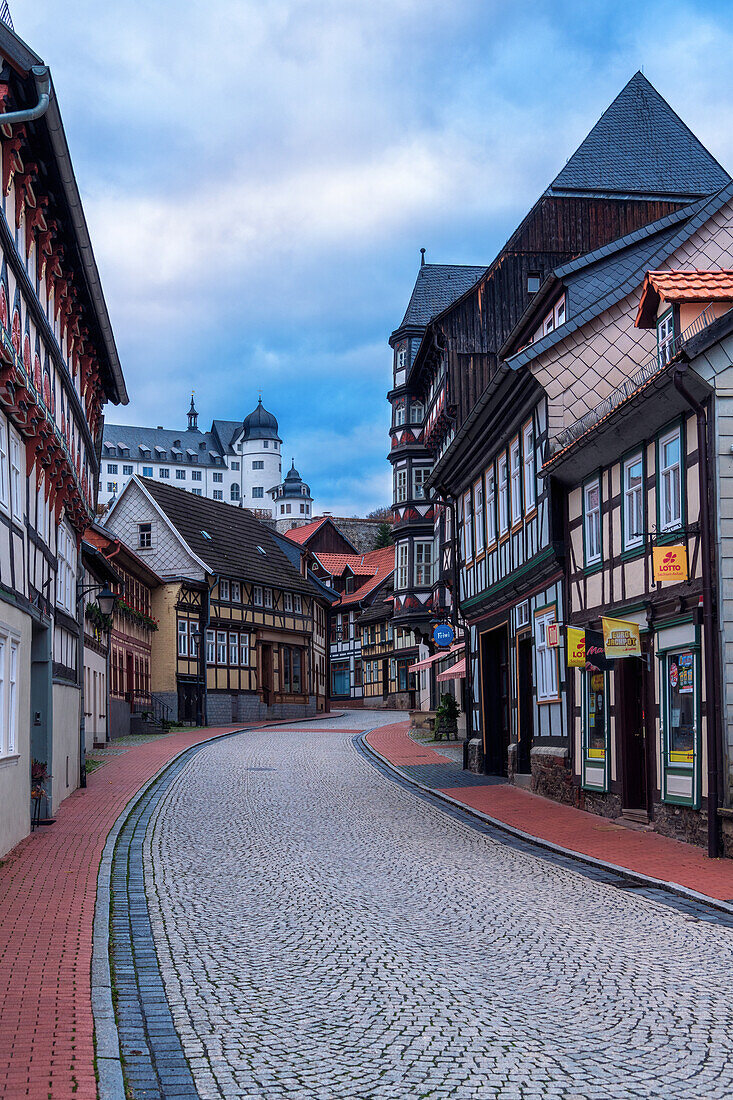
x=323, y=932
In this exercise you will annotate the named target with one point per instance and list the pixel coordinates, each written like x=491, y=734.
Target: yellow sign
x=670, y=563
x=576, y=647
x=683, y=756
x=620, y=639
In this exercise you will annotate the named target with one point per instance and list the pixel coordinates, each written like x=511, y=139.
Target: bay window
x=423, y=563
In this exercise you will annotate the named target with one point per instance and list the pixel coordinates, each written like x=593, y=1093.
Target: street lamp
x=106, y=601
x=196, y=637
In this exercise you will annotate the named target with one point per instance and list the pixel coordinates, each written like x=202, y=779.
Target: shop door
x=526, y=706
x=266, y=673
x=385, y=678
x=631, y=732
x=495, y=684
x=130, y=680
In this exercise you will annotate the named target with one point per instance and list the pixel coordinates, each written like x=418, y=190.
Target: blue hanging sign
x=443, y=634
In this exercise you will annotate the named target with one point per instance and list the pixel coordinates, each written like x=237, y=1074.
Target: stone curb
x=540, y=842
x=106, y=1038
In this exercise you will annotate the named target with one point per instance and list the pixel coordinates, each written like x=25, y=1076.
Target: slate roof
x=437, y=286
x=640, y=145
x=204, y=445
x=232, y=549
x=596, y=281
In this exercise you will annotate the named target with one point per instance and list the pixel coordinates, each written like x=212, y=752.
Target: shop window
x=596, y=713
x=546, y=658
x=681, y=708
x=291, y=670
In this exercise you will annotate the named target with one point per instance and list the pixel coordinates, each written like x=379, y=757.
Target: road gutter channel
x=111, y=1082
x=627, y=873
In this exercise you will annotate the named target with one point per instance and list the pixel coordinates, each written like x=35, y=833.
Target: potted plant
x=446, y=718
x=39, y=776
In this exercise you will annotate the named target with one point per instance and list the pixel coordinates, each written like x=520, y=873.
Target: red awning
x=455, y=672
x=426, y=663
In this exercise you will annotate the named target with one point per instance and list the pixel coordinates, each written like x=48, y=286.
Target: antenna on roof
x=422, y=257
x=5, y=15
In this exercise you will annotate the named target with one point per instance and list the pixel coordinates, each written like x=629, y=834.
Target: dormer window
x=665, y=338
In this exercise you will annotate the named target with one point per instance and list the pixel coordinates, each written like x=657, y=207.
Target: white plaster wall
x=15, y=770
x=66, y=733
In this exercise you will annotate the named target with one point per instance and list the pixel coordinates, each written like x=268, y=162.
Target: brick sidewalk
x=600, y=838
x=47, y=894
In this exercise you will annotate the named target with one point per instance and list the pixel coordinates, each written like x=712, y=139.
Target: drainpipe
x=42, y=79
x=708, y=617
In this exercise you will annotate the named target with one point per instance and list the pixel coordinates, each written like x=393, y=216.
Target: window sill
x=531, y=513
x=593, y=567
x=632, y=553
x=9, y=761
x=674, y=534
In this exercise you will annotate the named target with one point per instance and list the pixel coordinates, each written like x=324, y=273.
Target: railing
x=152, y=710
x=656, y=363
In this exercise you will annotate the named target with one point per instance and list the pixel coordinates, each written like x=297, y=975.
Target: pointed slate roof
x=437, y=286
x=640, y=145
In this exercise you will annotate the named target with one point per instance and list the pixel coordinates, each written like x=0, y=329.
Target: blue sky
x=260, y=176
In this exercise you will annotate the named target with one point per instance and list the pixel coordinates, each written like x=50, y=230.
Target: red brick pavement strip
x=47, y=894
x=641, y=852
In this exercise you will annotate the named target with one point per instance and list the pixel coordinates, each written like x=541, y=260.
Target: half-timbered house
x=639, y=164
x=241, y=631
x=58, y=367
x=360, y=580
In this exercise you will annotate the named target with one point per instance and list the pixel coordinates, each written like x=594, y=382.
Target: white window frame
x=528, y=466
x=467, y=503
x=633, y=498
x=223, y=589
x=12, y=726
x=183, y=637
x=546, y=658
x=402, y=573
x=221, y=647
x=244, y=650
x=417, y=412
x=268, y=599
x=257, y=595
x=236, y=592
x=420, y=474
x=592, y=524
x=490, y=477
x=423, y=562
x=142, y=535
x=288, y=601
x=502, y=479
x=298, y=604
x=399, y=415
x=478, y=516
x=233, y=648
x=515, y=464
x=16, y=479
x=400, y=485
x=4, y=479
x=665, y=481
x=665, y=338
x=210, y=647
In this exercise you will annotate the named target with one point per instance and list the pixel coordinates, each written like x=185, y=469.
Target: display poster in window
x=553, y=635
x=620, y=638
x=596, y=689
x=681, y=709
x=670, y=563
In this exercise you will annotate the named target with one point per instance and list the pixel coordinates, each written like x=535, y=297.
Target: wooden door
x=495, y=686
x=631, y=731
x=525, y=704
x=130, y=679
x=266, y=673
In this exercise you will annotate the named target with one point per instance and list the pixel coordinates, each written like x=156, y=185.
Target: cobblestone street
x=323, y=932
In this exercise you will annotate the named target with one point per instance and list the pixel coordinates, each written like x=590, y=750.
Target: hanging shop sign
x=620, y=639
x=576, y=647
x=595, y=653
x=443, y=634
x=670, y=563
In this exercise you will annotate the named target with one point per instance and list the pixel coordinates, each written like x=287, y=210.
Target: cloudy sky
x=259, y=176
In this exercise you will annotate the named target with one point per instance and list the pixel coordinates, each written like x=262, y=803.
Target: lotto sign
x=620, y=639
x=576, y=647
x=553, y=634
x=670, y=563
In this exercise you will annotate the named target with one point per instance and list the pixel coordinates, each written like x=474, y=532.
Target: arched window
x=234, y=492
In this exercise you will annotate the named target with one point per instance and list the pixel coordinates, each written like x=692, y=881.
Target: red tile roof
x=682, y=286
x=381, y=562
x=302, y=534
x=335, y=564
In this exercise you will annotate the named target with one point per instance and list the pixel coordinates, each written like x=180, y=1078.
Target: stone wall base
x=605, y=805
x=225, y=708
x=170, y=698
x=475, y=756
x=681, y=823
x=552, y=776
